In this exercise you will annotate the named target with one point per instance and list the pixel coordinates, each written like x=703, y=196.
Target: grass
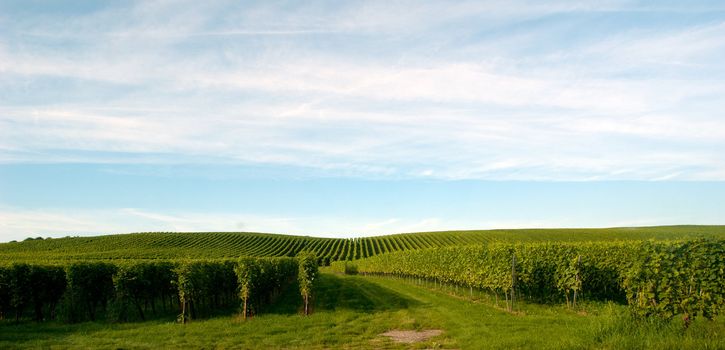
x=351, y=311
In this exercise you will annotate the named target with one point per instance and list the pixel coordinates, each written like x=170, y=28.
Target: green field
x=195, y=245
x=352, y=311
x=135, y=286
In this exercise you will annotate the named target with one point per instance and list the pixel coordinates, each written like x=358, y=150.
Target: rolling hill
x=197, y=245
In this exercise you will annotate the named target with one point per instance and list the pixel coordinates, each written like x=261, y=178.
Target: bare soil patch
x=412, y=336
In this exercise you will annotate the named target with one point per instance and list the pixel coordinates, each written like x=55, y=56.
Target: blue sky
x=359, y=118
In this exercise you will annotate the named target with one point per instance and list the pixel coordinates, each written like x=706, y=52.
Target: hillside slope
x=233, y=244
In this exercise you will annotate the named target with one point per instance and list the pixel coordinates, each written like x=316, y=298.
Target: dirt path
x=412, y=336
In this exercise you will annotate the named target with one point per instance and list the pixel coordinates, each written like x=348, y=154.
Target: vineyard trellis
x=663, y=279
x=308, y=270
x=127, y=290
x=129, y=277
x=220, y=245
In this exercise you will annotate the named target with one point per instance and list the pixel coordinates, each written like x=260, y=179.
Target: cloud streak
x=448, y=91
x=18, y=224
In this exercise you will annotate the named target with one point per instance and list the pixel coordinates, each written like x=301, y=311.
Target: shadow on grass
x=27, y=334
x=331, y=293
x=343, y=293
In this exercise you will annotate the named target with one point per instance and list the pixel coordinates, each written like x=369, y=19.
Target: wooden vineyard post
x=576, y=277
x=244, y=312
x=307, y=311
x=513, y=281
x=183, y=311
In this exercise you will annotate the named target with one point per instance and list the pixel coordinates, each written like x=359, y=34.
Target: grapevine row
x=216, y=245
x=132, y=290
x=655, y=278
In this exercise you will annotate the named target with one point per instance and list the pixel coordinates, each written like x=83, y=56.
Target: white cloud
x=359, y=90
x=673, y=47
x=17, y=224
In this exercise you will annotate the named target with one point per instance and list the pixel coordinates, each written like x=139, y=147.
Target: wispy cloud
x=18, y=224
x=481, y=90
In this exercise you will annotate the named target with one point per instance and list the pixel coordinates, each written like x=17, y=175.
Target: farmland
x=214, y=245
x=352, y=311
x=650, y=287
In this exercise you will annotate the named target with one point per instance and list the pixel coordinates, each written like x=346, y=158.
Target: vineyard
x=133, y=290
x=660, y=279
x=674, y=273
x=209, y=245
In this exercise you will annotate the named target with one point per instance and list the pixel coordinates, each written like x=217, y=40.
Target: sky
x=356, y=118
